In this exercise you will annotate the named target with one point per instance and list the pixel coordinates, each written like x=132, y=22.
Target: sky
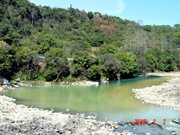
x=144, y=12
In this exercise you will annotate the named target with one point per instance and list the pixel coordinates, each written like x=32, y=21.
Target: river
x=109, y=102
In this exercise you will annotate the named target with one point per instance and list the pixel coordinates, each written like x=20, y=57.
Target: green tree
x=5, y=63
x=151, y=62
x=168, y=62
x=54, y=52
x=75, y=70
x=54, y=33
x=163, y=60
x=176, y=37
x=129, y=63
x=90, y=15
x=106, y=49
x=93, y=73
x=112, y=67
x=83, y=59
x=56, y=69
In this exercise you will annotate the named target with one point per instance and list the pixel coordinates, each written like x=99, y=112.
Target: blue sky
x=146, y=12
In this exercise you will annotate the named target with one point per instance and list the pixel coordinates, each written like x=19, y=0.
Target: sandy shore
x=170, y=74
x=166, y=94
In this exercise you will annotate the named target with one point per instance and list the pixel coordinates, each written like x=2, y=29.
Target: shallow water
x=113, y=101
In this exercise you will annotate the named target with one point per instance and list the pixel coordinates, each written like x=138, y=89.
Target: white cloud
x=119, y=8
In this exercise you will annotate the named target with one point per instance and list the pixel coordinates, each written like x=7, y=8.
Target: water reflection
x=112, y=98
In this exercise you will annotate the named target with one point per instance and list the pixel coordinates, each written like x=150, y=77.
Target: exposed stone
x=18, y=80
x=20, y=119
x=20, y=84
x=147, y=133
x=86, y=83
x=4, y=87
x=166, y=95
x=177, y=121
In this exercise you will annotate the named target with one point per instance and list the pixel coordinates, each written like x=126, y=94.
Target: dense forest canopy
x=54, y=44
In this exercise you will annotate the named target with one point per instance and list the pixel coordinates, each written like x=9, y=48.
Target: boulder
x=18, y=80
x=4, y=87
x=20, y=84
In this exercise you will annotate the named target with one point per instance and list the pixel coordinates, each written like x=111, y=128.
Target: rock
x=177, y=121
x=165, y=95
x=4, y=87
x=11, y=110
x=20, y=84
x=20, y=119
x=115, y=125
x=129, y=133
x=23, y=130
x=67, y=110
x=85, y=83
x=147, y=133
x=126, y=133
x=47, y=83
x=121, y=123
x=18, y=80
x=13, y=82
x=91, y=117
x=173, y=133
x=160, y=126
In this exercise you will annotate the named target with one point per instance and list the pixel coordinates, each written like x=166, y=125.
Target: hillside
x=54, y=44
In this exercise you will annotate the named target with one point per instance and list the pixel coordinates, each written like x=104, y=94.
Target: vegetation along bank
x=55, y=44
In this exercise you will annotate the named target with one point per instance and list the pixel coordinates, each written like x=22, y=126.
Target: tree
x=176, y=37
x=94, y=41
x=112, y=67
x=90, y=15
x=163, y=60
x=5, y=63
x=106, y=49
x=168, y=62
x=83, y=59
x=56, y=69
x=86, y=66
x=54, y=52
x=153, y=58
x=75, y=70
x=24, y=62
x=93, y=73
x=143, y=64
x=129, y=64
x=147, y=28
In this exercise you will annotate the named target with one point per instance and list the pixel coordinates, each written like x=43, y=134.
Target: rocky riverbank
x=19, y=83
x=81, y=83
x=19, y=120
x=166, y=95
x=16, y=83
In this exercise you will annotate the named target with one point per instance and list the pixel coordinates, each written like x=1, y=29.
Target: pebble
x=166, y=95
x=22, y=120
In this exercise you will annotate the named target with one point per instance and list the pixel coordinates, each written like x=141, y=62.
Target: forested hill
x=53, y=44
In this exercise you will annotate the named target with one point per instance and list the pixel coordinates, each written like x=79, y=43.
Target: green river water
x=113, y=101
